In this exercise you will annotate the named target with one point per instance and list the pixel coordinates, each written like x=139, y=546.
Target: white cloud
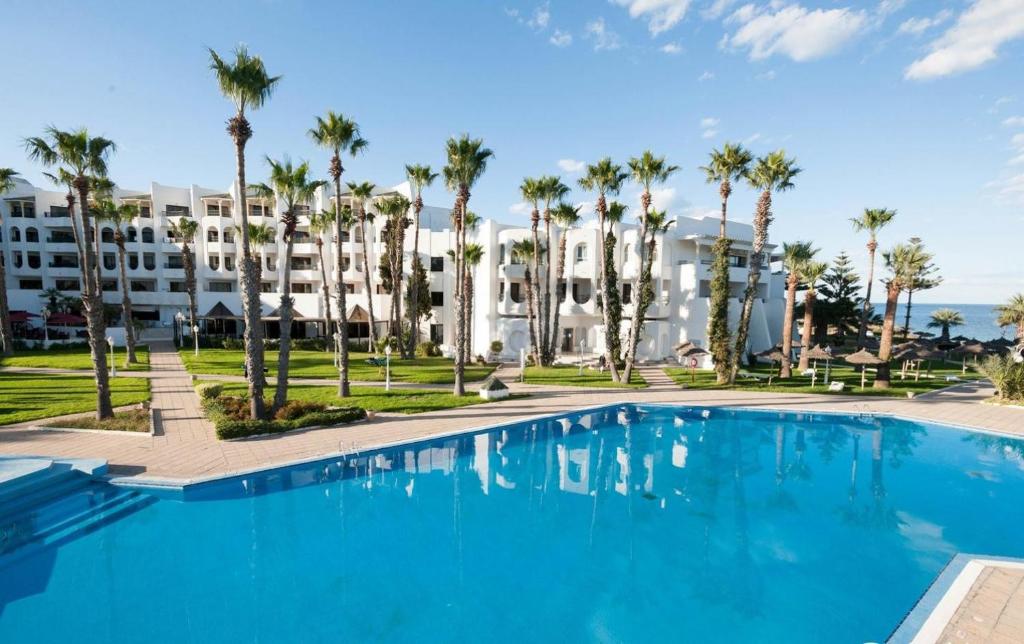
x=571, y=165
x=560, y=38
x=708, y=121
x=661, y=15
x=603, y=37
x=709, y=134
x=1014, y=121
x=706, y=76
x=1009, y=190
x=521, y=208
x=672, y=48
x=540, y=18
x=972, y=41
x=917, y=26
x=888, y=7
x=716, y=9
x=753, y=138
x=663, y=198
x=794, y=31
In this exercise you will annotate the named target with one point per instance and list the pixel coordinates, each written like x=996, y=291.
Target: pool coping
x=936, y=608
x=171, y=484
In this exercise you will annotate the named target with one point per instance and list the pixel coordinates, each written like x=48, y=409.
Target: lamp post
x=179, y=317
x=46, y=328
x=195, y=337
x=583, y=345
x=387, y=367
x=113, y=364
x=337, y=349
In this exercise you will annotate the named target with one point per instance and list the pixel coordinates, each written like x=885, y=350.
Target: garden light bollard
x=113, y=362
x=195, y=337
x=387, y=367
x=583, y=345
x=522, y=365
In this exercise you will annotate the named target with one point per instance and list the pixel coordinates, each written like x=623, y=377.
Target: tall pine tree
x=839, y=302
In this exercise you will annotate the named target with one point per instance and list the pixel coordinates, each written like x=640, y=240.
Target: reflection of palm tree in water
x=746, y=584
x=781, y=498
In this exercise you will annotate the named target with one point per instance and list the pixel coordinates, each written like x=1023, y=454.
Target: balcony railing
x=177, y=213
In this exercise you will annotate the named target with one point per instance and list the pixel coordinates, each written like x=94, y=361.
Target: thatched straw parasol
x=972, y=348
x=863, y=358
x=691, y=354
x=817, y=353
x=773, y=355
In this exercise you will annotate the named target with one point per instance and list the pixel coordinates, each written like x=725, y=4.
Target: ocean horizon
x=980, y=319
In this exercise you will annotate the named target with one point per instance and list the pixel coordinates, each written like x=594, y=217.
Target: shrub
x=1006, y=375
x=386, y=341
x=209, y=390
x=480, y=359
x=310, y=344
x=428, y=349
x=297, y=409
x=233, y=343
x=497, y=346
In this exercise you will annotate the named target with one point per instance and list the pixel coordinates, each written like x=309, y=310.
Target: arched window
x=17, y=258
x=33, y=260
x=580, y=253
x=212, y=235
x=133, y=262
x=31, y=235
x=147, y=235
x=107, y=236
x=229, y=236
x=215, y=262
x=15, y=234
x=132, y=234
x=109, y=261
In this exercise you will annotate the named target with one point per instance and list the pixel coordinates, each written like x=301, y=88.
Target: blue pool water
x=631, y=523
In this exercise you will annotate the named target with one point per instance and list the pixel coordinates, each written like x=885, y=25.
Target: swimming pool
x=627, y=523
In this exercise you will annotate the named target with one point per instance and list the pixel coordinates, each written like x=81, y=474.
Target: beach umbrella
x=972, y=348
x=22, y=316
x=692, y=353
x=817, y=353
x=65, y=319
x=863, y=359
x=773, y=355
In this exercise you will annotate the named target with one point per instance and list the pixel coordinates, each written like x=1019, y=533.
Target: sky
x=915, y=105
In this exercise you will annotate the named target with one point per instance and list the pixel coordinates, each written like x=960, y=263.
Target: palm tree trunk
x=414, y=291
x=547, y=351
x=559, y=281
x=367, y=281
x=906, y=325
x=644, y=298
x=126, y=309
x=285, y=324
x=92, y=300
x=188, y=260
x=613, y=367
x=530, y=311
x=786, y=369
x=537, y=336
x=460, y=320
x=326, y=291
x=343, y=385
x=253, y=331
x=805, y=339
x=866, y=305
x=888, y=327
x=761, y=220
x=468, y=356
x=6, y=332
x=718, y=319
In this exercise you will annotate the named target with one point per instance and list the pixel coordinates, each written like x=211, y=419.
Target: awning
x=65, y=319
x=221, y=312
x=22, y=316
x=357, y=313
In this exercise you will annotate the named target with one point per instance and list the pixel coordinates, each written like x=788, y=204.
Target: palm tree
x=419, y=177
x=339, y=134
x=525, y=250
x=246, y=83
x=567, y=217
x=467, y=161
x=646, y=170
x=6, y=332
x=293, y=187
x=903, y=261
x=729, y=164
x=872, y=220
x=944, y=319
x=1012, y=314
x=657, y=223
x=771, y=173
x=794, y=257
x=530, y=189
x=79, y=159
x=811, y=272
x=604, y=178
x=320, y=224
x=106, y=210
x=361, y=193
x=184, y=231
x=260, y=234
x=551, y=190
x=924, y=278
x=474, y=255
x=614, y=216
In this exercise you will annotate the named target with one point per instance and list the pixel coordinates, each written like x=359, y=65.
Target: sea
x=980, y=319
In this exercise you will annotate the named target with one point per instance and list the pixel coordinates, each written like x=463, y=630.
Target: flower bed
x=230, y=415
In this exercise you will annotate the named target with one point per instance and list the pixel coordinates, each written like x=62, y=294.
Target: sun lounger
x=836, y=385
x=808, y=372
x=752, y=376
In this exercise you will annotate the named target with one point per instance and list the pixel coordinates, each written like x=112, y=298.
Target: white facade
x=39, y=253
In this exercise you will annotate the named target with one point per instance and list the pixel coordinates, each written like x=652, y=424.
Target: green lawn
x=75, y=358
x=568, y=376
x=320, y=364
x=26, y=397
x=401, y=401
x=845, y=373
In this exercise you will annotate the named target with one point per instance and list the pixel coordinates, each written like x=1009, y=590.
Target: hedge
x=227, y=427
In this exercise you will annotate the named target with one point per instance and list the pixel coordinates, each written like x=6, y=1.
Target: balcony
x=508, y=307
x=513, y=271
x=176, y=213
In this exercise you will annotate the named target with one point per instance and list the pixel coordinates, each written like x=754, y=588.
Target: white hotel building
x=39, y=253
